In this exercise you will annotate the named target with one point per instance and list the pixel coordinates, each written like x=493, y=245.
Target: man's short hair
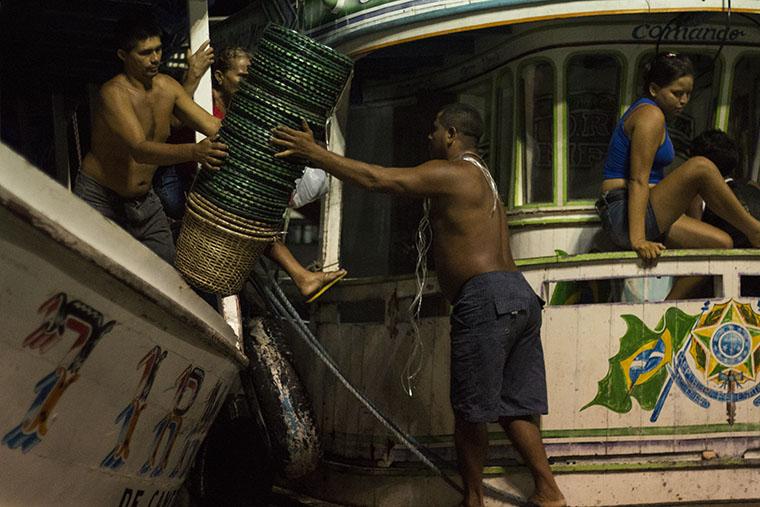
x=719, y=148
x=463, y=117
x=134, y=27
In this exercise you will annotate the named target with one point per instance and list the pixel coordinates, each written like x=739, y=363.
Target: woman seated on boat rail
x=641, y=208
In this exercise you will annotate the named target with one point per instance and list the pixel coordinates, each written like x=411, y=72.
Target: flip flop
x=325, y=287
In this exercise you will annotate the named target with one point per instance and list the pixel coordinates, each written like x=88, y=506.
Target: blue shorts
x=612, y=207
x=497, y=362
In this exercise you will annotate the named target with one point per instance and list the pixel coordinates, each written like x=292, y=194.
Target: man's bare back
x=468, y=238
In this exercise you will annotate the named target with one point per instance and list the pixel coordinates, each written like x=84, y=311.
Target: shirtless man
x=130, y=126
x=496, y=375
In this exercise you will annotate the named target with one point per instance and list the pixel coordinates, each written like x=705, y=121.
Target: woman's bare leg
x=688, y=232
x=672, y=196
x=307, y=281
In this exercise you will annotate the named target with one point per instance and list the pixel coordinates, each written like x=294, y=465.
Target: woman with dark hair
x=642, y=209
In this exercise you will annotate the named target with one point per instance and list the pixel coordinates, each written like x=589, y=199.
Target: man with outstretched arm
x=497, y=367
x=130, y=126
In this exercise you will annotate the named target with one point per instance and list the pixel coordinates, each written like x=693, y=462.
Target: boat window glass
x=378, y=230
x=638, y=289
x=699, y=113
x=478, y=95
x=504, y=134
x=537, y=104
x=744, y=119
x=593, y=102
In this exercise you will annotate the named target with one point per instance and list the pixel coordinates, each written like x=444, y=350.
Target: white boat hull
x=112, y=369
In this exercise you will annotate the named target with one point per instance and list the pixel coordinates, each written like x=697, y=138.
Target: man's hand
x=198, y=64
x=648, y=251
x=210, y=153
x=296, y=144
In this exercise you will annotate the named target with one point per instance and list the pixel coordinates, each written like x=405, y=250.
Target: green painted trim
x=525, y=222
x=693, y=429
x=520, y=69
x=415, y=469
x=632, y=467
x=618, y=256
x=725, y=84
x=595, y=433
x=503, y=76
x=559, y=134
x=622, y=61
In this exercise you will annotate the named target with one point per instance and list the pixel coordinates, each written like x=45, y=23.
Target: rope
x=478, y=162
x=423, y=240
x=277, y=300
x=75, y=126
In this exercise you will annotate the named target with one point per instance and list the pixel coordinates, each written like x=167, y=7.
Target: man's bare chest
x=154, y=111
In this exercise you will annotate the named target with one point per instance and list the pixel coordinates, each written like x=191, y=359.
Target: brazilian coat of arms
x=710, y=357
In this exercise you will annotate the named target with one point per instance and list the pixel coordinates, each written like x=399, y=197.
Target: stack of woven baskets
x=232, y=215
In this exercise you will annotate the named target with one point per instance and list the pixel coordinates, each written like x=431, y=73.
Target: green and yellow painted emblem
x=714, y=355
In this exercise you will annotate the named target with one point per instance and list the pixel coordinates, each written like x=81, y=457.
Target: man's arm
x=431, y=178
x=120, y=116
x=190, y=113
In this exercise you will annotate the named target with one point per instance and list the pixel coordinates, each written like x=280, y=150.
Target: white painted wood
x=85, y=307
x=197, y=11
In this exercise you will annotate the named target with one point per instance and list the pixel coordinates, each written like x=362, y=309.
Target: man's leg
x=150, y=226
x=471, y=440
x=526, y=437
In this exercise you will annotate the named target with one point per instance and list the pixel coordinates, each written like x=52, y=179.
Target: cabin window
x=698, y=115
x=744, y=120
x=537, y=103
x=637, y=289
x=749, y=286
x=504, y=145
x=593, y=102
x=478, y=95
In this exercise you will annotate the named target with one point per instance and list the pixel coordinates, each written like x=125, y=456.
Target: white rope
x=480, y=164
x=423, y=239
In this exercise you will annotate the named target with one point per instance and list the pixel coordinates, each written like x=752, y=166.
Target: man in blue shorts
x=497, y=365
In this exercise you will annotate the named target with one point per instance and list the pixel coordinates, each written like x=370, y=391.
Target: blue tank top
x=618, y=160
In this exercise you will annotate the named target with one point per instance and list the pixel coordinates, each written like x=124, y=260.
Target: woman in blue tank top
x=642, y=209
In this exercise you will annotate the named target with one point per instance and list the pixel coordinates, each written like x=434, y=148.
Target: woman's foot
x=314, y=284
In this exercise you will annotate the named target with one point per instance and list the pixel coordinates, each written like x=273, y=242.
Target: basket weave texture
x=233, y=215
x=214, y=258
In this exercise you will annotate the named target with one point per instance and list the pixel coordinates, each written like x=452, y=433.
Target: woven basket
x=216, y=215
x=213, y=258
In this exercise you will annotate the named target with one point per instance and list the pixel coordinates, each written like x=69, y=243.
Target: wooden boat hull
x=112, y=369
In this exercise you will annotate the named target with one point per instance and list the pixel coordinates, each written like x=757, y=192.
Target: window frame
x=519, y=141
x=621, y=59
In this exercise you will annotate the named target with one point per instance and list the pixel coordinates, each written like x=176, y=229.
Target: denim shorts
x=497, y=362
x=612, y=207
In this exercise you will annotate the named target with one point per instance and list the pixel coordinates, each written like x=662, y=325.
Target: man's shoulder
x=116, y=86
x=165, y=81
